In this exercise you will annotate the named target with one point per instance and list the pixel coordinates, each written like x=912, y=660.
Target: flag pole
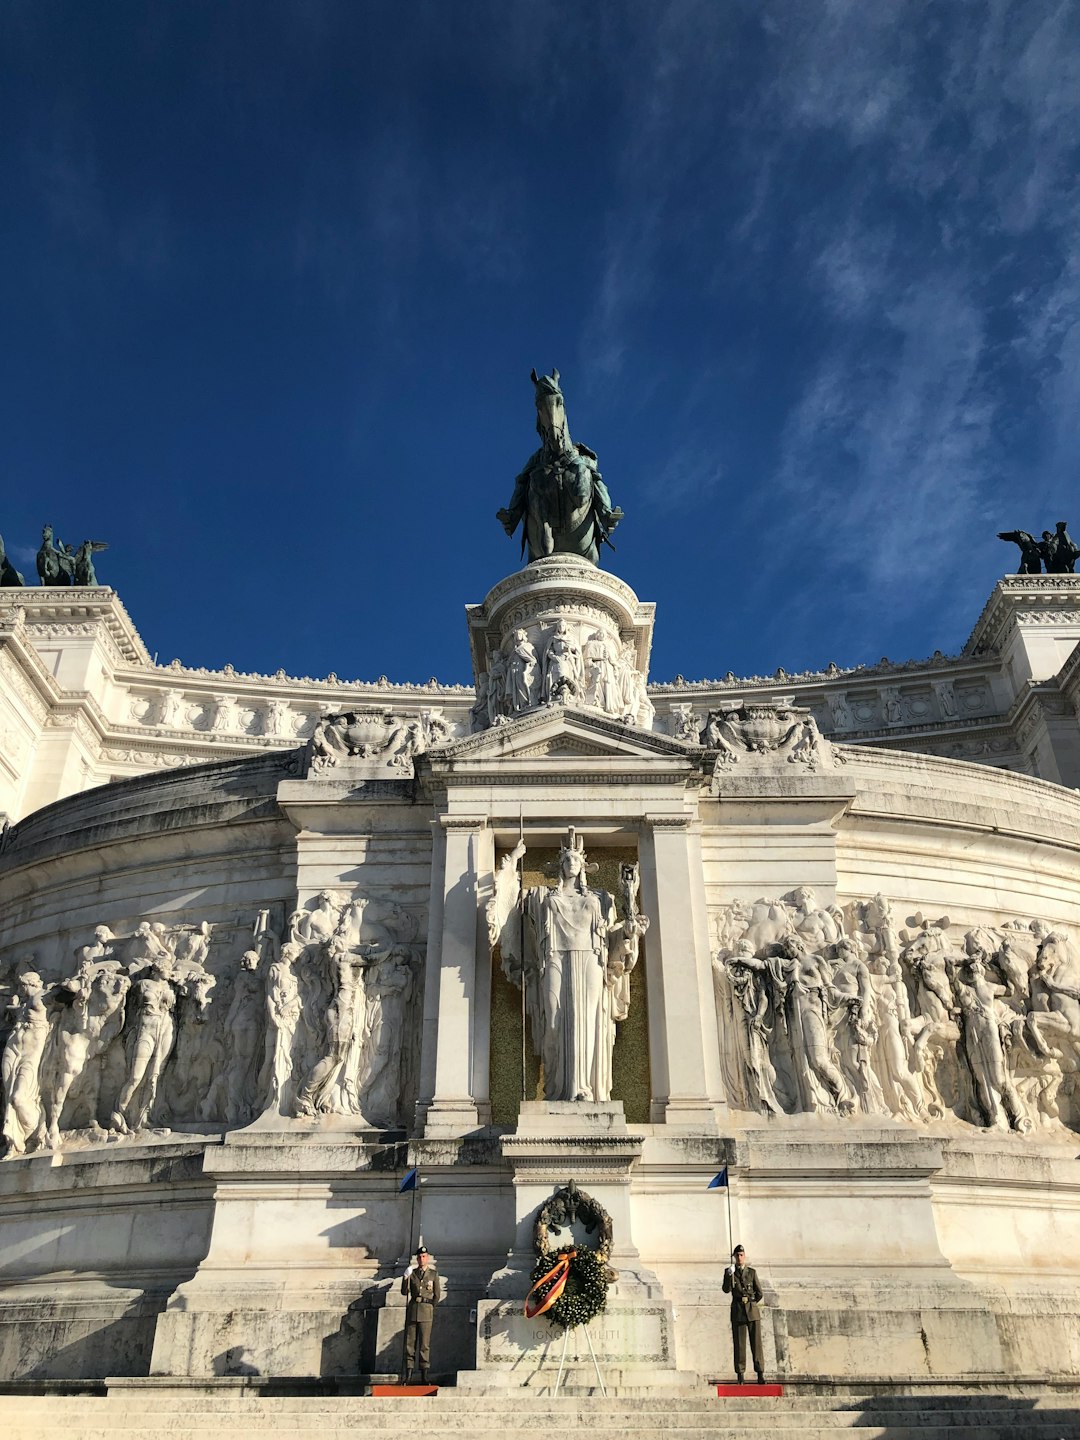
x=730, y=1240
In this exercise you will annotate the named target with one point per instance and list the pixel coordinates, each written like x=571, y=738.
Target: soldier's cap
x=422, y=1250
x=738, y=1250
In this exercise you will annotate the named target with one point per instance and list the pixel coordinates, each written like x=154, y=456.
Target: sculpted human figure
x=817, y=927
x=497, y=693
x=1054, y=1016
x=748, y=978
x=806, y=982
x=602, y=688
x=563, y=671
x=852, y=995
x=145, y=948
x=23, y=1116
x=153, y=1003
x=559, y=498
x=387, y=987
x=637, y=708
x=522, y=681
x=983, y=1048
x=342, y=1022
x=243, y=1038
x=1058, y=551
x=560, y=956
x=894, y=1052
x=88, y=1015
x=282, y=1016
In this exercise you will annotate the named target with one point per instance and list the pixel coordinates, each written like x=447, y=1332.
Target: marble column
x=454, y=1069
x=683, y=1036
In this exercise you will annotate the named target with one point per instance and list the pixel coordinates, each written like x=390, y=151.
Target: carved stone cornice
x=70, y=610
x=1024, y=600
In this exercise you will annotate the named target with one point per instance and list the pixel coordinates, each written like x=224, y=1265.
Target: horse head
x=551, y=411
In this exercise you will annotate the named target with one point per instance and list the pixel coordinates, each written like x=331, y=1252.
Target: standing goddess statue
x=568, y=949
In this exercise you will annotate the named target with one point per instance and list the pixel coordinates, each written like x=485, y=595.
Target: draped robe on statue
x=570, y=929
x=572, y=954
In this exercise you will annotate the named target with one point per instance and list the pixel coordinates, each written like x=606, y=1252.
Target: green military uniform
x=423, y=1290
x=741, y=1283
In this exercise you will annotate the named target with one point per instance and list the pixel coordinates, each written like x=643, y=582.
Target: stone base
x=633, y=1344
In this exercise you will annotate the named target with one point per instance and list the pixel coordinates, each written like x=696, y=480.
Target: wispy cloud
x=940, y=257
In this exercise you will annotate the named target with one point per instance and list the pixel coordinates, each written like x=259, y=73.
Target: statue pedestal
x=634, y=1337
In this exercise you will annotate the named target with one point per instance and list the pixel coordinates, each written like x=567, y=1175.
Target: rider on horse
x=559, y=495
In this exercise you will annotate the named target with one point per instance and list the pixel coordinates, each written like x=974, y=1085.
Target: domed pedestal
x=561, y=631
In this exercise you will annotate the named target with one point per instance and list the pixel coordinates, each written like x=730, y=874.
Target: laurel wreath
x=584, y=1285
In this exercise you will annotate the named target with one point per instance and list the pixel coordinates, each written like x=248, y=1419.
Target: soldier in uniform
x=741, y=1283
x=423, y=1289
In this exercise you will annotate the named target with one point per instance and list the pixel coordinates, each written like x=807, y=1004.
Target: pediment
x=563, y=734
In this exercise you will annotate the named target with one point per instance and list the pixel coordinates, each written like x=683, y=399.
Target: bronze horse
x=560, y=495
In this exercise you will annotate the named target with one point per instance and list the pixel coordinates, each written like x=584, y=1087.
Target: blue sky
x=273, y=276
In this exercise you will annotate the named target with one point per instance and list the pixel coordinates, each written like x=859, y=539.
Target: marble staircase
x=213, y=1412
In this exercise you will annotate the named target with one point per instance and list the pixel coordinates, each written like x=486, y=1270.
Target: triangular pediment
x=560, y=734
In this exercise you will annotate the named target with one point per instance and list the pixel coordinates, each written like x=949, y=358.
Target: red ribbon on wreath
x=557, y=1275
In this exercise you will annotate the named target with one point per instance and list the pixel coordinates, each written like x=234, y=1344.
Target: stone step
x=179, y=1427
x=209, y=1397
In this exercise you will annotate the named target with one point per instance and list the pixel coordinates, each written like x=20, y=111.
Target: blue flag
x=719, y=1182
x=409, y=1183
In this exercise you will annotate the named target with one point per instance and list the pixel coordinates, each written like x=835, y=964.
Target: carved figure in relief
x=244, y=1032
x=23, y=1115
x=282, y=1017
x=891, y=706
x=557, y=944
x=602, y=689
x=498, y=699
x=153, y=1002
x=946, y=698
x=983, y=1031
x=387, y=986
x=840, y=710
x=638, y=709
x=274, y=717
x=479, y=719
x=559, y=499
x=804, y=981
x=88, y=1016
x=563, y=670
x=340, y=971
x=857, y=1030
x=748, y=979
x=1054, y=1018
x=146, y=948
x=522, y=674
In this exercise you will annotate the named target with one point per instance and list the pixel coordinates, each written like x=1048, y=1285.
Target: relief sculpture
x=169, y=1026
x=841, y=1011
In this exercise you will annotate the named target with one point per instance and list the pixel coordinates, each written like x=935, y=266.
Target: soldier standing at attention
x=423, y=1289
x=741, y=1283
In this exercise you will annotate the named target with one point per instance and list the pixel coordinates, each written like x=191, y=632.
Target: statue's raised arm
x=560, y=499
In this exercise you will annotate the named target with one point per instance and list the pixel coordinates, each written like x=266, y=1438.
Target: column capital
x=463, y=822
x=668, y=822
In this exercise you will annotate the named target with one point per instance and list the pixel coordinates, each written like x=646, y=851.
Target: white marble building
x=297, y=950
